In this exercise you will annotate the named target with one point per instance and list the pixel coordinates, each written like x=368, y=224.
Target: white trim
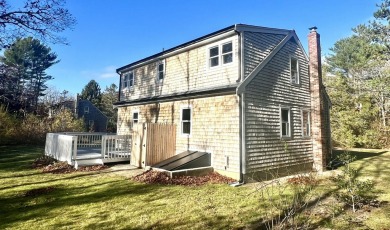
x=220, y=45
x=181, y=120
x=127, y=81
x=132, y=116
x=260, y=29
x=293, y=57
x=289, y=122
x=158, y=80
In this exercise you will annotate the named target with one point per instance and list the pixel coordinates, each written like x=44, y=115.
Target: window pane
x=214, y=61
x=186, y=115
x=227, y=58
x=214, y=51
x=284, y=115
x=160, y=75
x=227, y=48
x=135, y=116
x=294, y=64
x=186, y=127
x=284, y=129
x=161, y=67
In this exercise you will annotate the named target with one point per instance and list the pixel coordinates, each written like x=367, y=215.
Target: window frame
x=86, y=109
x=295, y=80
x=158, y=72
x=128, y=82
x=289, y=122
x=182, y=121
x=221, y=54
x=308, y=128
x=132, y=117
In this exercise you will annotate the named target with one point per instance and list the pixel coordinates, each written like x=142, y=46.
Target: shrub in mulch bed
x=50, y=165
x=156, y=177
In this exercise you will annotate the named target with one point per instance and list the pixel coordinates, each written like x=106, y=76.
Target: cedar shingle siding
x=240, y=125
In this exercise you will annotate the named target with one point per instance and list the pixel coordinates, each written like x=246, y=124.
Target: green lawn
x=105, y=200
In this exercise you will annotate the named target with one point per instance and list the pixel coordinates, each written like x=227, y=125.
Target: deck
x=88, y=148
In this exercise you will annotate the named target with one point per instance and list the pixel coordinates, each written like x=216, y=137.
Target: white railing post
x=103, y=149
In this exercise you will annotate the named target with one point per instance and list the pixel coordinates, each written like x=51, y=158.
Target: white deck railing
x=116, y=146
x=64, y=146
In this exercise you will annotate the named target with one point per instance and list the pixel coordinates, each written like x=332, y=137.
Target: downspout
x=120, y=85
x=241, y=112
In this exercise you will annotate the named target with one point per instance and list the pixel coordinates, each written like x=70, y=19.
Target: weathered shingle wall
x=257, y=47
x=186, y=71
x=265, y=94
x=215, y=126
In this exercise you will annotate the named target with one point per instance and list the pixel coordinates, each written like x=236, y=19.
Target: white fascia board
x=246, y=81
x=190, y=47
x=259, y=29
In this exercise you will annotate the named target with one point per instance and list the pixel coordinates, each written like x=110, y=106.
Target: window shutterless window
x=305, y=123
x=294, y=70
x=227, y=53
x=86, y=109
x=221, y=54
x=214, y=56
x=135, y=117
x=160, y=70
x=131, y=79
x=285, y=122
x=125, y=81
x=186, y=121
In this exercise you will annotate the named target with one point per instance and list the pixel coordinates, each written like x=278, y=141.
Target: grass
x=89, y=200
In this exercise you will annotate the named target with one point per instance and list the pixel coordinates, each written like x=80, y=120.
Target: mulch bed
x=49, y=165
x=156, y=177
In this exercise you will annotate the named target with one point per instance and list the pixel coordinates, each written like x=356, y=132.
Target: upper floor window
x=294, y=72
x=128, y=80
x=160, y=72
x=186, y=121
x=305, y=123
x=227, y=53
x=216, y=57
x=86, y=109
x=285, y=122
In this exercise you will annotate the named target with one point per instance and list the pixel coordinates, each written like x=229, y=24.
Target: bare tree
x=42, y=19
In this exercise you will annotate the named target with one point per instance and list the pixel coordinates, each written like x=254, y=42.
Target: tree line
x=357, y=78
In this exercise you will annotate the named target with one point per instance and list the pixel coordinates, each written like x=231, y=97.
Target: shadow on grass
x=367, y=162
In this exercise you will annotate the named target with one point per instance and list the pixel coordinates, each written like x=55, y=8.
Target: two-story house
x=248, y=95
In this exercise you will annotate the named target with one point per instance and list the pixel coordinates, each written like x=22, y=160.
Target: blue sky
x=110, y=34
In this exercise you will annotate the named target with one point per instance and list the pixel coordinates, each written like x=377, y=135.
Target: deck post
x=103, y=148
x=74, y=148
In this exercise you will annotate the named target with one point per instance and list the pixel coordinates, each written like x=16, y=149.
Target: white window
x=294, y=70
x=285, y=122
x=305, y=123
x=216, y=57
x=186, y=121
x=128, y=80
x=90, y=123
x=160, y=72
x=135, y=117
x=86, y=109
x=227, y=53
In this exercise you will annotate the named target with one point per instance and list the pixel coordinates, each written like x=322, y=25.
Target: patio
x=88, y=148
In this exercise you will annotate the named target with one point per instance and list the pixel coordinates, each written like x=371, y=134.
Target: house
x=94, y=119
x=249, y=95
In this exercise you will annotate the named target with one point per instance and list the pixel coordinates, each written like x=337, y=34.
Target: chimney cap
x=313, y=29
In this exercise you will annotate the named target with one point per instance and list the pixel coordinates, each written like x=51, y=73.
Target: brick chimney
x=320, y=126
